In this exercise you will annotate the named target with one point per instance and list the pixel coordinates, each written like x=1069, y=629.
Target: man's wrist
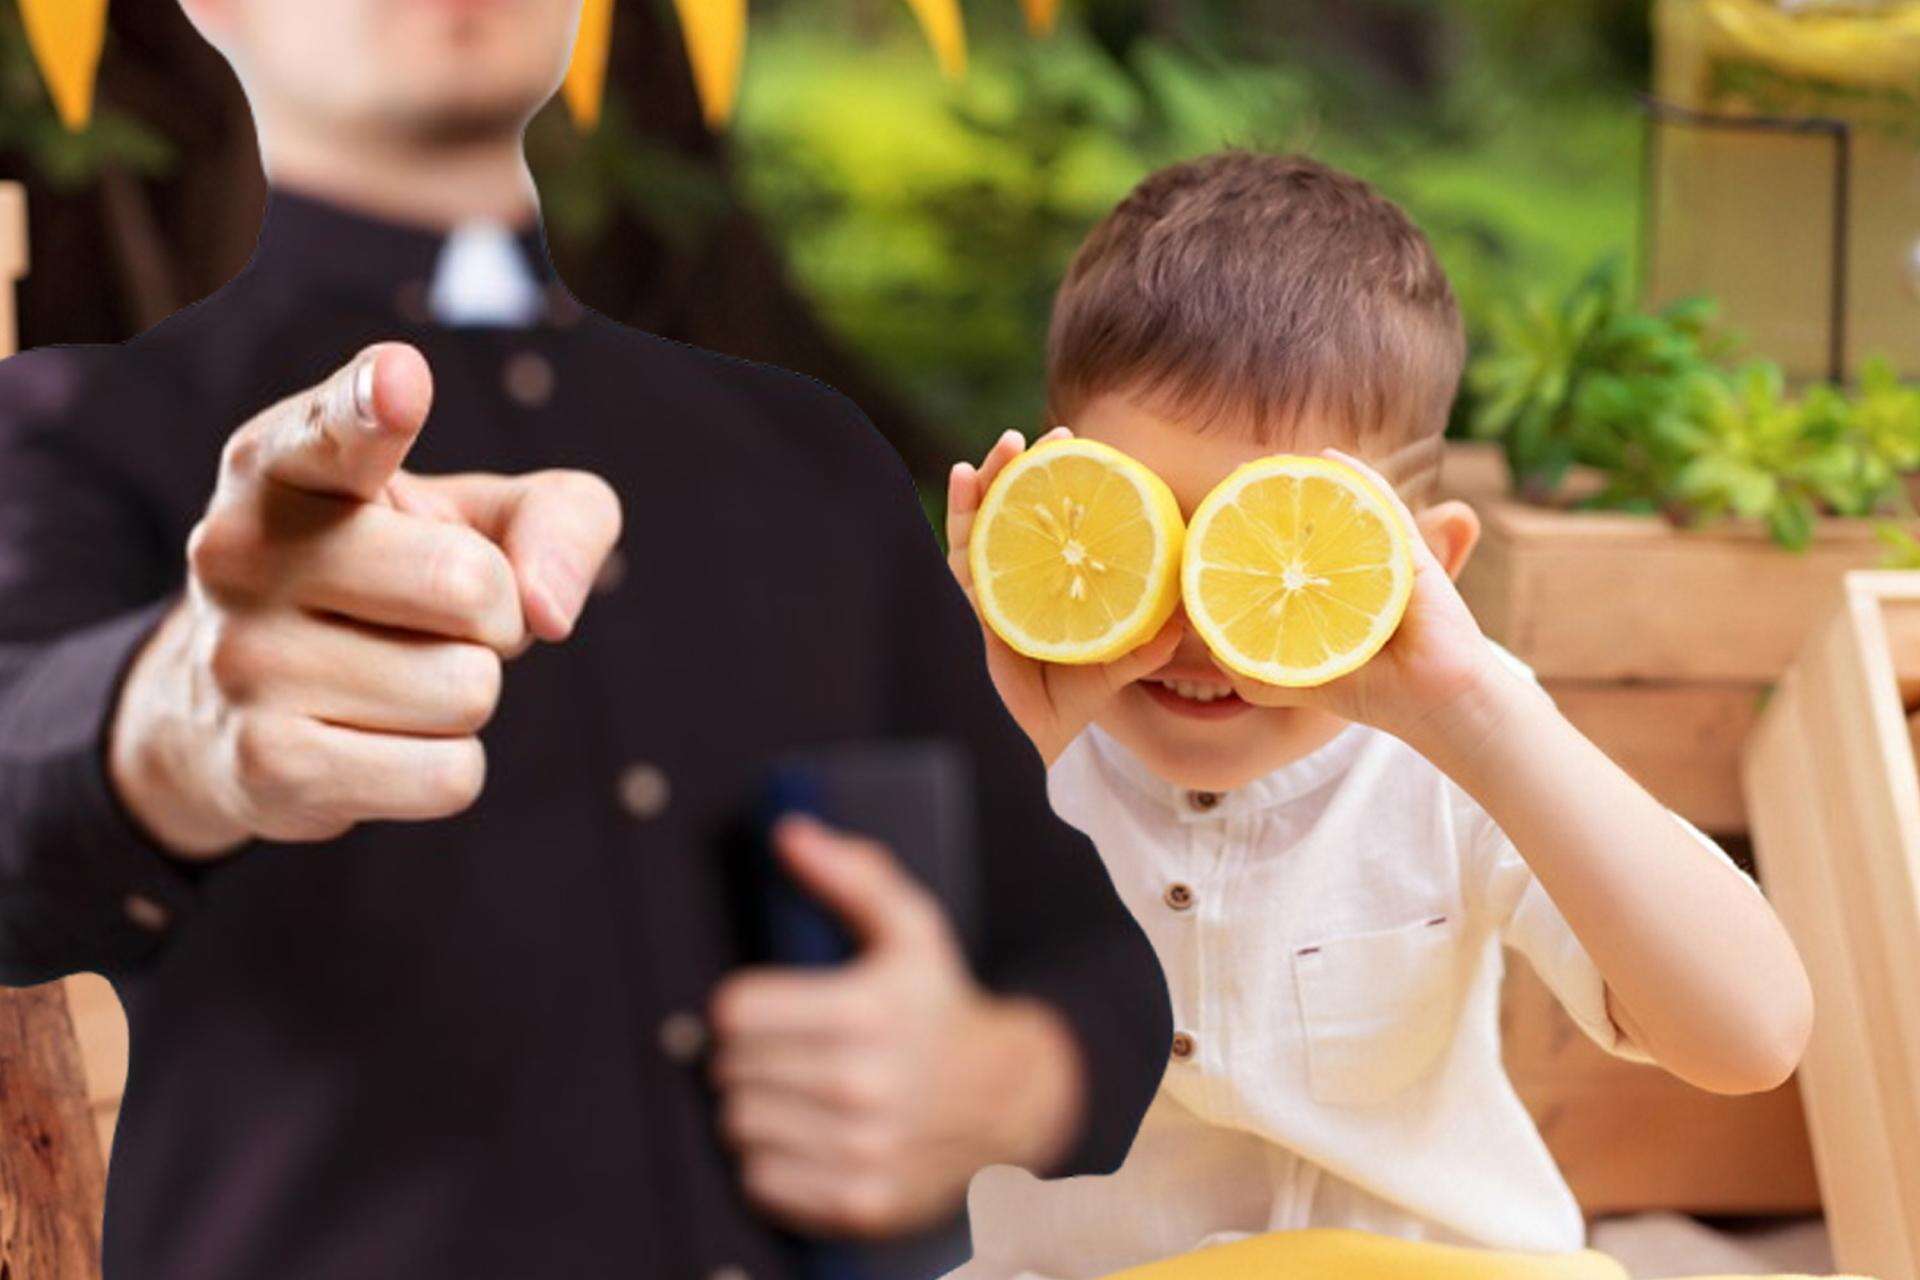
x=1039, y=1100
x=144, y=765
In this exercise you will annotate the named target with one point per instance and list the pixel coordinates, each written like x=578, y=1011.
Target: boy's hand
x=1431, y=666
x=1051, y=702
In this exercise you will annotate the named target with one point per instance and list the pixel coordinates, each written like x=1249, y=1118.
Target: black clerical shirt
x=472, y=1048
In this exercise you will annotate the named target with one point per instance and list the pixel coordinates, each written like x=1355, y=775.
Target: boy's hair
x=1269, y=288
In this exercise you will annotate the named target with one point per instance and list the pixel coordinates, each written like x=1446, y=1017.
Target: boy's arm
x=1700, y=974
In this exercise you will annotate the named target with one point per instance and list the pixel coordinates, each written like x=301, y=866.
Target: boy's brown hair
x=1270, y=288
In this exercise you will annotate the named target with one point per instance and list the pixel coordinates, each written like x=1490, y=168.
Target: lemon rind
x=1385, y=623
x=1157, y=602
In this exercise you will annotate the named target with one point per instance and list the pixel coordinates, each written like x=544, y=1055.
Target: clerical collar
x=482, y=274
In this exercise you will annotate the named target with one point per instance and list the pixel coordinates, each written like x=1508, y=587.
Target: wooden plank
x=100, y=1028
x=1835, y=805
x=52, y=1180
x=1688, y=1150
x=1607, y=595
x=1681, y=741
x=13, y=260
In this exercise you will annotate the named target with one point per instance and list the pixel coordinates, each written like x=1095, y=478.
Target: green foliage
x=1651, y=403
x=1903, y=549
x=30, y=128
x=1560, y=382
x=931, y=223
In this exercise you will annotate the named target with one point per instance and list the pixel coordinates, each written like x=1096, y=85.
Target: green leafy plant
x=1651, y=403
x=1558, y=382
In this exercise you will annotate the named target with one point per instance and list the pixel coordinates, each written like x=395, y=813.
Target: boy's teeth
x=1195, y=692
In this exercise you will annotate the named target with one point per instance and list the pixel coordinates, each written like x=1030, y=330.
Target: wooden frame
x=1835, y=797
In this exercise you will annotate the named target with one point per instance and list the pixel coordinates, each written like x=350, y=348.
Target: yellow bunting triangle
x=940, y=19
x=716, y=36
x=1041, y=15
x=66, y=37
x=586, y=82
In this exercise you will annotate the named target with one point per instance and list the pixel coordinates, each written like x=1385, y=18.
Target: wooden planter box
x=1660, y=643
x=1835, y=799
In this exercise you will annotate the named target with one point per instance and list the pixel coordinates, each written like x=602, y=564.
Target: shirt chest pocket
x=1376, y=1009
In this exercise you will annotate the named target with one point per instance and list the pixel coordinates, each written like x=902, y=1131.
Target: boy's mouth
x=1201, y=699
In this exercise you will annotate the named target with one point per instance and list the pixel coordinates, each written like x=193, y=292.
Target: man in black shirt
x=258, y=591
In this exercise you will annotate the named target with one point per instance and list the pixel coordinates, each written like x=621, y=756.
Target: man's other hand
x=862, y=1099
x=339, y=644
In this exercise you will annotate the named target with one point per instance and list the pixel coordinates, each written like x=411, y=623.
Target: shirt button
x=1183, y=1046
x=1178, y=896
x=613, y=570
x=683, y=1036
x=1201, y=801
x=529, y=379
x=644, y=790
x=145, y=913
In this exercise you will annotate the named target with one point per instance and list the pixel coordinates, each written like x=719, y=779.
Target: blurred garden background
x=865, y=219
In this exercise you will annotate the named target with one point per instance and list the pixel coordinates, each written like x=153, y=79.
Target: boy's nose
x=1191, y=653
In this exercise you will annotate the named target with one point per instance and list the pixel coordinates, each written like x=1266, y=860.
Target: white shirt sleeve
x=1532, y=925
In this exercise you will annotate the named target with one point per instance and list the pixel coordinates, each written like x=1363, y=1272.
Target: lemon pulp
x=1297, y=570
x=1075, y=553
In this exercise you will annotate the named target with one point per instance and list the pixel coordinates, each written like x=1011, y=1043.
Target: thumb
x=556, y=528
x=861, y=882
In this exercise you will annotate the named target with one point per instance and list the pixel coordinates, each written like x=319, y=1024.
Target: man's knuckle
x=240, y=456
x=219, y=548
x=469, y=578
x=236, y=661
x=267, y=760
x=474, y=679
x=456, y=781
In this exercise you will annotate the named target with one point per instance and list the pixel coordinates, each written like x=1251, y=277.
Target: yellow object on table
x=1327, y=1254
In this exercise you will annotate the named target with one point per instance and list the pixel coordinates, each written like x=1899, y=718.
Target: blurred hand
x=1051, y=702
x=862, y=1099
x=1434, y=660
x=339, y=644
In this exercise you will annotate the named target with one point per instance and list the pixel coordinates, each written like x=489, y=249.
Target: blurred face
x=418, y=71
x=1184, y=722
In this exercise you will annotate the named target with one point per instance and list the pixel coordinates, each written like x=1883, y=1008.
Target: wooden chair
x=52, y=1164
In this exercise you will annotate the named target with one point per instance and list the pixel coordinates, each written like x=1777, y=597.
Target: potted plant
x=1661, y=523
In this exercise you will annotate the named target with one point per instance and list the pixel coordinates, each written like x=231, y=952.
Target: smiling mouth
x=1204, y=699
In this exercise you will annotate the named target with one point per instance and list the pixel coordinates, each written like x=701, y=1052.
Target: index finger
x=348, y=435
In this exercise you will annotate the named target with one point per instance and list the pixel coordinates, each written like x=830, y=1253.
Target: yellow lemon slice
x=1297, y=570
x=1076, y=553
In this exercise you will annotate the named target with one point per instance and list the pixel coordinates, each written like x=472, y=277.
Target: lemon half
x=1075, y=553
x=1297, y=570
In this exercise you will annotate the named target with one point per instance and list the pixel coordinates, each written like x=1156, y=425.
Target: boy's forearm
x=1697, y=962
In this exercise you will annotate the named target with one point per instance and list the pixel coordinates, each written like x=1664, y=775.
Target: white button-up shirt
x=1332, y=937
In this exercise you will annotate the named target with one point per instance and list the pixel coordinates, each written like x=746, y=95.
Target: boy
x=1329, y=875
